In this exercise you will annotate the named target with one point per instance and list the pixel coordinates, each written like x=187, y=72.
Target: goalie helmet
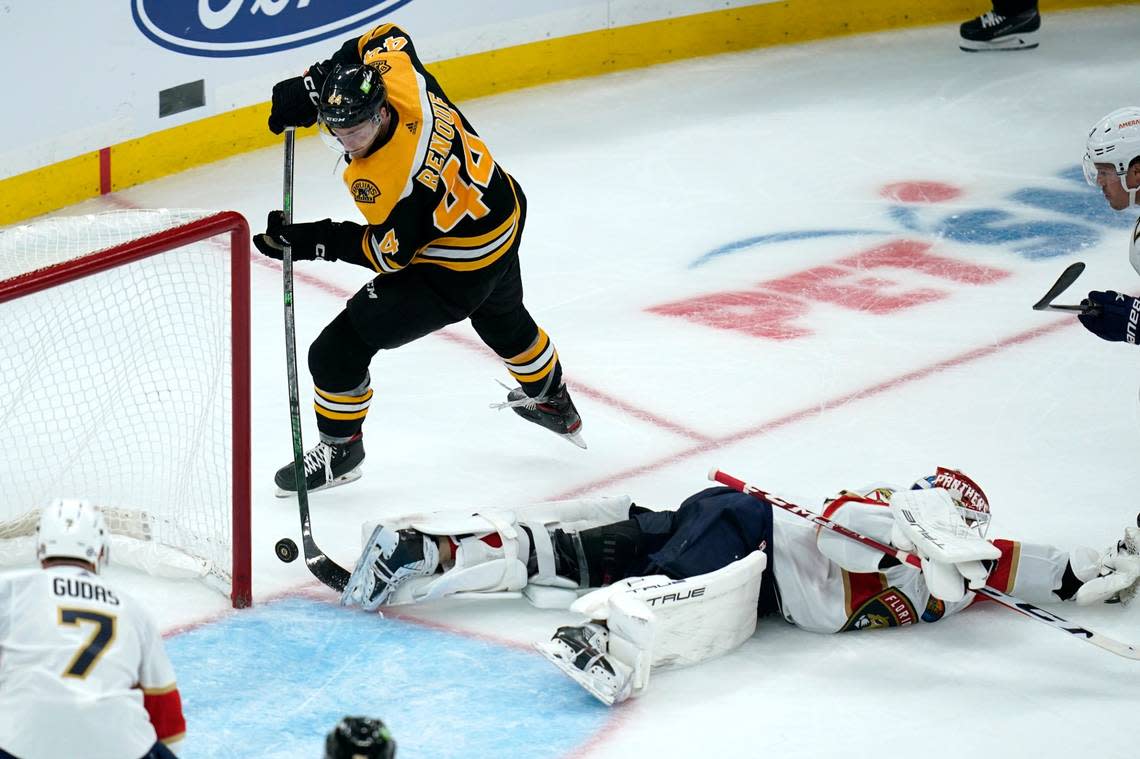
x=359, y=738
x=73, y=529
x=971, y=501
x=1115, y=140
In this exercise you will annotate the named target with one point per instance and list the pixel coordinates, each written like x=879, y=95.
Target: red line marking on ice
x=478, y=347
x=817, y=409
x=591, y=393
x=620, y=715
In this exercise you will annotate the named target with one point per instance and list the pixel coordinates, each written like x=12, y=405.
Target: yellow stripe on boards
x=189, y=145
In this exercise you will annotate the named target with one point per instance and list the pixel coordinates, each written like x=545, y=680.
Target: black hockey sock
x=566, y=552
x=1069, y=584
x=611, y=552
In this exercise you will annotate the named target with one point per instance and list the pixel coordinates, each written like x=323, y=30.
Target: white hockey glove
x=1119, y=575
x=931, y=523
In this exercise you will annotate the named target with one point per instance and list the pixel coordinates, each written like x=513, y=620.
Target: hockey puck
x=286, y=550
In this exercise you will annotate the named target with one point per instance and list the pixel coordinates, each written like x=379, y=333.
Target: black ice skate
x=554, y=412
x=326, y=466
x=581, y=653
x=993, y=32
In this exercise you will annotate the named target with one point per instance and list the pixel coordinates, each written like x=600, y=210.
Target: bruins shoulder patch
x=365, y=191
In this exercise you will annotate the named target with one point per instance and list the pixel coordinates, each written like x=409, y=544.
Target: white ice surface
x=633, y=176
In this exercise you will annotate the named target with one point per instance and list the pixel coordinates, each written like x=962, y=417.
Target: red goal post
x=127, y=381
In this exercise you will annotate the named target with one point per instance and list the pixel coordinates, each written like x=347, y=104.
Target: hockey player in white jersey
x=83, y=671
x=679, y=587
x=1112, y=164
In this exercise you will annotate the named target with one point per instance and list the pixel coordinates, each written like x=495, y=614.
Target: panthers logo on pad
x=890, y=608
x=364, y=191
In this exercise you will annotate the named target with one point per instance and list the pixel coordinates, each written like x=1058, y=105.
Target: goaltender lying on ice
x=678, y=587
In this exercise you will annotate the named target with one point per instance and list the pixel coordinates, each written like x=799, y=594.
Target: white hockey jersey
x=845, y=589
x=83, y=671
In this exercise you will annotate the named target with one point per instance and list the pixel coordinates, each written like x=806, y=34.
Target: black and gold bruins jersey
x=431, y=193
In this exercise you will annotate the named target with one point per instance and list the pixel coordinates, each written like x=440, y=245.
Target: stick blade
x=328, y=571
x=1068, y=277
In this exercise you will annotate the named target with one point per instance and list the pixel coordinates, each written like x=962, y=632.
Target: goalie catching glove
x=1118, y=575
x=947, y=534
x=316, y=239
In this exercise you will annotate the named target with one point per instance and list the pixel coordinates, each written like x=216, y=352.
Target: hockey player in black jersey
x=444, y=224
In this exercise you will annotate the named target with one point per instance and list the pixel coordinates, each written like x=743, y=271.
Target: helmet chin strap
x=1130, y=190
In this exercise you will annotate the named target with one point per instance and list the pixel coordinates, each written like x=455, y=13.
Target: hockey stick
x=1068, y=277
x=323, y=568
x=1021, y=607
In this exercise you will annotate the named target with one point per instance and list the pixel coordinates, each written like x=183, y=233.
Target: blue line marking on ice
x=272, y=681
x=807, y=234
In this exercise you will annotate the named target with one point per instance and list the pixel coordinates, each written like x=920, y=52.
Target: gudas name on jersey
x=75, y=587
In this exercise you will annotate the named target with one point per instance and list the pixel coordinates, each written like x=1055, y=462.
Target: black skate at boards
x=556, y=412
x=993, y=32
x=327, y=465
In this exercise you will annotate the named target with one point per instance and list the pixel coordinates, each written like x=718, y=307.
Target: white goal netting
x=117, y=386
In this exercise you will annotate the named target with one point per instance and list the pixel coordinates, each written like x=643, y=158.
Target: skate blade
x=344, y=479
x=575, y=674
x=575, y=438
x=1011, y=42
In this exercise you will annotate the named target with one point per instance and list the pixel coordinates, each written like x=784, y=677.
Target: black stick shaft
x=323, y=568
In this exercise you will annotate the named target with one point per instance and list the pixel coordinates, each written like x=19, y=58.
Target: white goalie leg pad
x=657, y=622
x=491, y=572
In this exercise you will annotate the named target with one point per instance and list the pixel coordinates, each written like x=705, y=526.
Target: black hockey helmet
x=351, y=94
x=359, y=738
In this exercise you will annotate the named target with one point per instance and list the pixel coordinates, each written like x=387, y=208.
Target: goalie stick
x=323, y=568
x=1068, y=277
x=1021, y=607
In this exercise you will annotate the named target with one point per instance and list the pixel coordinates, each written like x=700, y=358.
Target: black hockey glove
x=295, y=99
x=1114, y=317
x=315, y=239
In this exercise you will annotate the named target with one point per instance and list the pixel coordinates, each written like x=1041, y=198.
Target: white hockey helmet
x=1115, y=139
x=72, y=528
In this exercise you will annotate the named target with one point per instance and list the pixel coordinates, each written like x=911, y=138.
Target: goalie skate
x=556, y=412
x=390, y=558
x=327, y=465
x=579, y=653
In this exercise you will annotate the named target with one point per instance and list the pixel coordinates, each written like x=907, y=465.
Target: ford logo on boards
x=229, y=28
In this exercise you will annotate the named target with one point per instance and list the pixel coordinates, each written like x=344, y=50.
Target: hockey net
x=125, y=381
